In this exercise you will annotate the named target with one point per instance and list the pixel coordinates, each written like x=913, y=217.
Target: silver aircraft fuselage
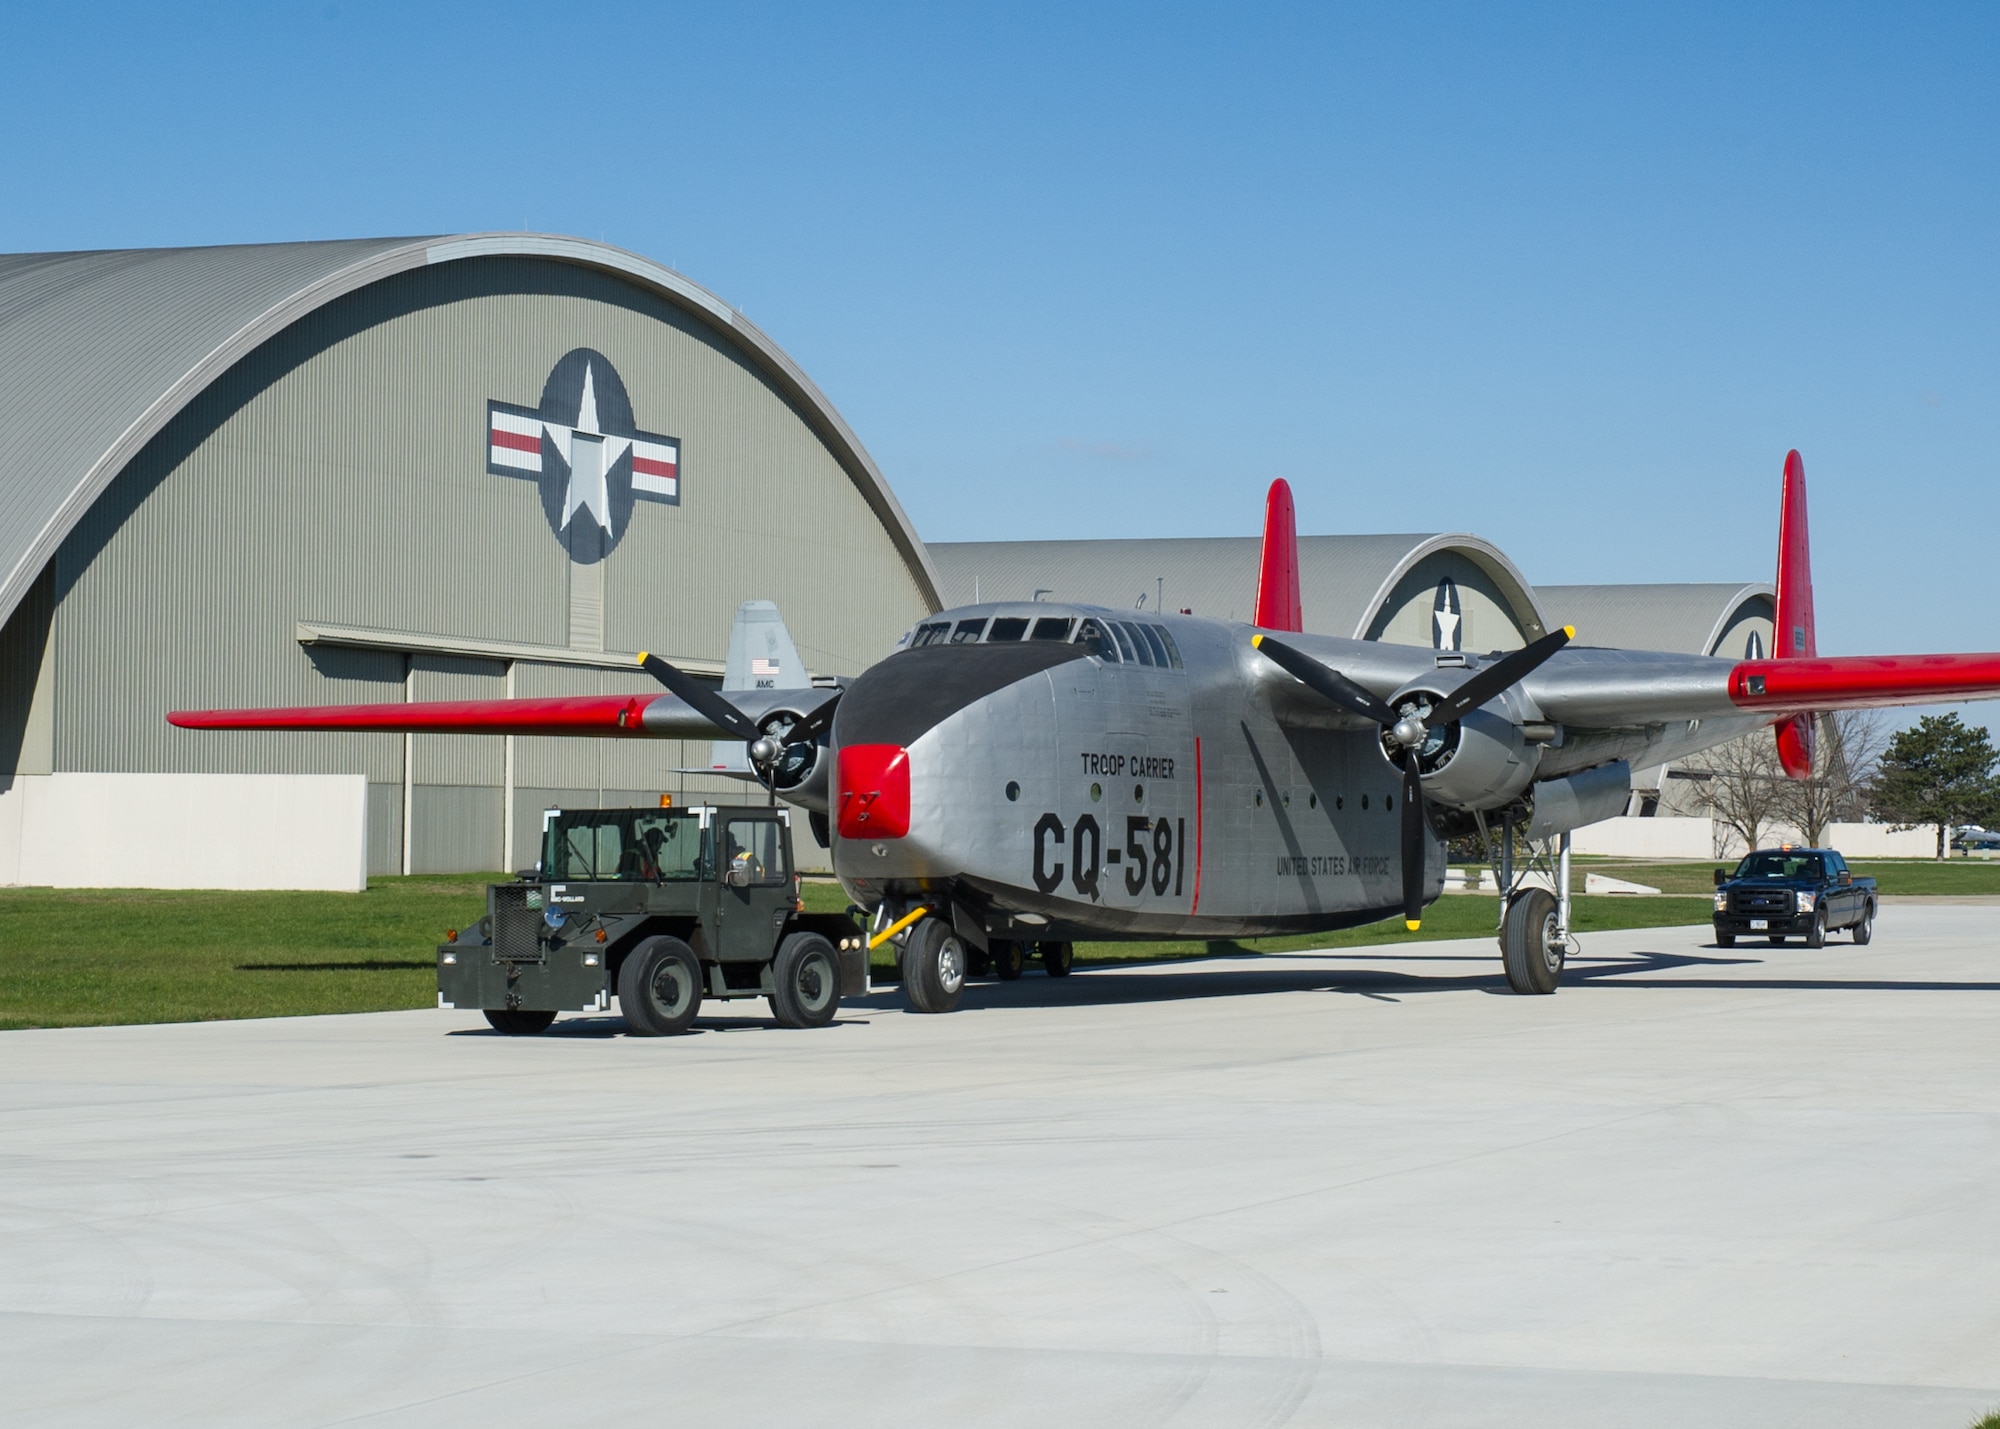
x=1187, y=787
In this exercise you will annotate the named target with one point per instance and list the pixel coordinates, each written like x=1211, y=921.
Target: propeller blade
x=700, y=698
x=1325, y=680
x=1413, y=840
x=1500, y=675
x=816, y=723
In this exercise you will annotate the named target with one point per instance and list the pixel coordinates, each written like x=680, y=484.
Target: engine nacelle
x=1481, y=762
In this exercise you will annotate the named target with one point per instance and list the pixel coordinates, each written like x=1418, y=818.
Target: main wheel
x=1816, y=934
x=1864, y=931
x=805, y=981
x=933, y=967
x=518, y=1021
x=1008, y=959
x=1528, y=947
x=659, y=987
x=1056, y=958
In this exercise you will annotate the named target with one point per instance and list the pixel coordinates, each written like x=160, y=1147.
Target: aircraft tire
x=1056, y=958
x=805, y=981
x=659, y=988
x=1528, y=950
x=1816, y=934
x=1864, y=931
x=1008, y=959
x=518, y=1021
x=933, y=967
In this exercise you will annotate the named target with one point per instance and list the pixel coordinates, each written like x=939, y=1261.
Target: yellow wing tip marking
x=1412, y=924
x=1569, y=632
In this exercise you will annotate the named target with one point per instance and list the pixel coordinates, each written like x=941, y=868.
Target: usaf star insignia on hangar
x=585, y=450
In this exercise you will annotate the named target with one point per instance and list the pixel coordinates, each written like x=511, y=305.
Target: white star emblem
x=589, y=460
x=1447, y=629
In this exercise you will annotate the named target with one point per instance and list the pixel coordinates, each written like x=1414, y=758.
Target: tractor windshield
x=636, y=845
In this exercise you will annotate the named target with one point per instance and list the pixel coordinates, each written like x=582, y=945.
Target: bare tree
x=1744, y=788
x=1848, y=756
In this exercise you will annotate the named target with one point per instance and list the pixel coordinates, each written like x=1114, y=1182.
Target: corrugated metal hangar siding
x=338, y=474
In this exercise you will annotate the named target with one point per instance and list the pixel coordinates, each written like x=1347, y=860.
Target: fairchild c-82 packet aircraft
x=1018, y=776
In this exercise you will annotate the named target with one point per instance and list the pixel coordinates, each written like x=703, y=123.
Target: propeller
x=1407, y=729
x=766, y=743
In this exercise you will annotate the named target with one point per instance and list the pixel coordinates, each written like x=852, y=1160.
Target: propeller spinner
x=1405, y=731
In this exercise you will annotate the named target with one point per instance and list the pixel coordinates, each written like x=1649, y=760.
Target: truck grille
x=515, y=926
x=1762, y=902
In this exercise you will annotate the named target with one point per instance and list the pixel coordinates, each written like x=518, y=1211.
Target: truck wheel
x=1864, y=931
x=1528, y=947
x=1725, y=940
x=1816, y=934
x=805, y=981
x=1056, y=958
x=518, y=1021
x=1008, y=959
x=659, y=988
x=933, y=967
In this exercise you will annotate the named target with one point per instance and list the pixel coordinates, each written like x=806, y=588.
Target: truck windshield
x=637, y=845
x=1780, y=865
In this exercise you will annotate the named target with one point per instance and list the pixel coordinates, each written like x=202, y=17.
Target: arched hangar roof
x=1348, y=584
x=99, y=350
x=1689, y=619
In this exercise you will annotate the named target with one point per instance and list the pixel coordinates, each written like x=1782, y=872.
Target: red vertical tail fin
x=1793, y=636
x=1278, y=605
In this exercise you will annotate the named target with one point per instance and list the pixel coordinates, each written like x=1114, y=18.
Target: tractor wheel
x=1056, y=958
x=805, y=981
x=1008, y=959
x=1528, y=947
x=659, y=988
x=518, y=1021
x=933, y=963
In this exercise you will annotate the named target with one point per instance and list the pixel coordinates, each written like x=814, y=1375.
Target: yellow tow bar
x=894, y=928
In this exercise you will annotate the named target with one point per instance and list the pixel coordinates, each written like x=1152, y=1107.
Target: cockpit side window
x=932, y=634
x=1007, y=627
x=1051, y=627
x=1125, y=650
x=1140, y=648
x=1167, y=639
x=968, y=631
x=1160, y=656
x=1093, y=636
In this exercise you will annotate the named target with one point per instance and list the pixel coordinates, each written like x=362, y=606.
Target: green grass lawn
x=1909, y=876
x=73, y=957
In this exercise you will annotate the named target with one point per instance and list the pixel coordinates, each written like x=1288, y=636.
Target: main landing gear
x=935, y=961
x=1535, y=938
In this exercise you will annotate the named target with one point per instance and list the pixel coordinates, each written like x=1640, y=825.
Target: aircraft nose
x=873, y=791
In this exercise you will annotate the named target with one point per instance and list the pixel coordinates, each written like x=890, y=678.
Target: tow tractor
x=663, y=907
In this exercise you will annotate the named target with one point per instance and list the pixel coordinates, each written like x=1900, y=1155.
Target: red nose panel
x=874, y=791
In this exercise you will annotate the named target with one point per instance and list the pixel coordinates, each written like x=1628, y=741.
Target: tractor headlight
x=554, y=917
x=1806, y=901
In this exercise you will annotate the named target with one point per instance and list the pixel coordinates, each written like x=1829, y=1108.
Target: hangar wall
x=337, y=477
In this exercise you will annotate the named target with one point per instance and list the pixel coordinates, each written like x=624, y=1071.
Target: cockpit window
x=932, y=634
x=1166, y=639
x=968, y=631
x=1051, y=627
x=1137, y=636
x=1125, y=650
x=1093, y=636
x=1007, y=627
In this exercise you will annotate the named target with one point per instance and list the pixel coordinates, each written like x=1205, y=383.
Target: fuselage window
x=1007, y=627
x=1091, y=635
x=1124, y=643
x=1144, y=651
x=1169, y=652
x=968, y=631
x=1051, y=627
x=931, y=634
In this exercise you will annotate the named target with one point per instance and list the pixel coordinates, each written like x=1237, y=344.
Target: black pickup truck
x=1779, y=893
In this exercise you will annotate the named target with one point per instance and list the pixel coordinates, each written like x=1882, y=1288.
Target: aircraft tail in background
x=761, y=657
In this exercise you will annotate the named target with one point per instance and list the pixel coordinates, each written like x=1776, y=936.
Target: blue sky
x=1572, y=277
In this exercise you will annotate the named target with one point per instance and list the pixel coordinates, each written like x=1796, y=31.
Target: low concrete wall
x=185, y=831
x=1701, y=839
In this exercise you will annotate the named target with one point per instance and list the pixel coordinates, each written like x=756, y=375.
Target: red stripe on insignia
x=645, y=466
x=520, y=441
